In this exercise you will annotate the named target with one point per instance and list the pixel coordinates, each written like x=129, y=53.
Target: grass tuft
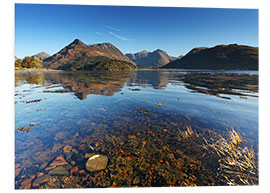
x=237, y=162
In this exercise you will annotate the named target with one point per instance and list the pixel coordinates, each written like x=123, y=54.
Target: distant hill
x=156, y=58
x=42, y=55
x=77, y=49
x=221, y=57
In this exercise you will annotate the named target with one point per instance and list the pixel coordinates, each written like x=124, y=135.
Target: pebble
x=44, y=165
x=96, y=163
x=136, y=180
x=59, y=171
x=67, y=149
x=132, y=137
x=40, y=180
x=26, y=182
x=59, y=161
x=74, y=170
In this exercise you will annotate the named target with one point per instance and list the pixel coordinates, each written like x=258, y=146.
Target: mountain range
x=78, y=49
x=156, y=59
x=42, y=55
x=80, y=56
x=220, y=57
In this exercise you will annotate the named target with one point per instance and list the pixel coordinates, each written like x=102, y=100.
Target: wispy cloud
x=98, y=33
x=113, y=28
x=117, y=36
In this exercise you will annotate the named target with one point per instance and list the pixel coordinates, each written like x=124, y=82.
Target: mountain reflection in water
x=109, y=82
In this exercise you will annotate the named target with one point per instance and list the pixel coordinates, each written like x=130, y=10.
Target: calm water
x=134, y=118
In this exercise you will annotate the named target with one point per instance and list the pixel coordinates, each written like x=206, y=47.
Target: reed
x=236, y=162
x=186, y=133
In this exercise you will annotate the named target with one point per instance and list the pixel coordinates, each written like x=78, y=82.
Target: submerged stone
x=67, y=149
x=40, y=180
x=59, y=171
x=96, y=163
x=59, y=161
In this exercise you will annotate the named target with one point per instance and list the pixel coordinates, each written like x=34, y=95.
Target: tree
x=29, y=62
x=36, y=62
x=18, y=63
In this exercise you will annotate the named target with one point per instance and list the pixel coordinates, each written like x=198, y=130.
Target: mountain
x=95, y=63
x=78, y=49
x=220, y=57
x=42, y=55
x=156, y=58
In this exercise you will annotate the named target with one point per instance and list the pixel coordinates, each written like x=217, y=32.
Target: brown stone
x=27, y=181
x=82, y=172
x=56, y=147
x=73, y=170
x=17, y=170
x=144, y=143
x=27, y=187
x=67, y=149
x=40, y=174
x=128, y=158
x=59, y=161
x=40, y=180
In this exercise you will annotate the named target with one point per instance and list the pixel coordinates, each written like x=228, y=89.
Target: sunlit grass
x=186, y=133
x=234, y=160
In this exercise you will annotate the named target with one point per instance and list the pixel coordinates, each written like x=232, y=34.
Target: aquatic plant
x=235, y=161
x=186, y=133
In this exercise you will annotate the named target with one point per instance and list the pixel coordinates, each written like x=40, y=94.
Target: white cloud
x=119, y=37
x=113, y=28
x=98, y=33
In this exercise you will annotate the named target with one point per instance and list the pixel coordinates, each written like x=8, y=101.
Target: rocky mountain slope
x=221, y=57
x=78, y=49
x=156, y=58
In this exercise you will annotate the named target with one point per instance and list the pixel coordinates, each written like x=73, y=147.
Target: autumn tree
x=29, y=62
x=18, y=63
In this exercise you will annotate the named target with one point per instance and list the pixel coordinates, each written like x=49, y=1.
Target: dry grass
x=237, y=162
x=186, y=133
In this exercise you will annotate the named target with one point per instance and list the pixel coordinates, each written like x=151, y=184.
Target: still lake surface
x=134, y=118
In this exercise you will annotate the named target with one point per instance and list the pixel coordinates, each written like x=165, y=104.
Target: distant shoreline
x=37, y=70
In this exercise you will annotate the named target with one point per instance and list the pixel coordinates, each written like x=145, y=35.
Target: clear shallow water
x=134, y=118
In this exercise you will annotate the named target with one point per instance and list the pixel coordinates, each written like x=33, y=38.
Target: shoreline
x=37, y=70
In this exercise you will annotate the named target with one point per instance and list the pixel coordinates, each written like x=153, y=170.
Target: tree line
x=29, y=62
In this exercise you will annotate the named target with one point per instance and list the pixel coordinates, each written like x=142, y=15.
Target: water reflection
x=146, y=144
x=109, y=82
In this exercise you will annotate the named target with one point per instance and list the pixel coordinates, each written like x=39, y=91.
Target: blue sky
x=49, y=28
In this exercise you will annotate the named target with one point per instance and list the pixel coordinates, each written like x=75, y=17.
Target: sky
x=49, y=28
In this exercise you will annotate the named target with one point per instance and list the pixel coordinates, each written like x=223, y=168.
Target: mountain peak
x=158, y=50
x=144, y=51
x=78, y=49
x=41, y=55
x=77, y=42
x=145, y=58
